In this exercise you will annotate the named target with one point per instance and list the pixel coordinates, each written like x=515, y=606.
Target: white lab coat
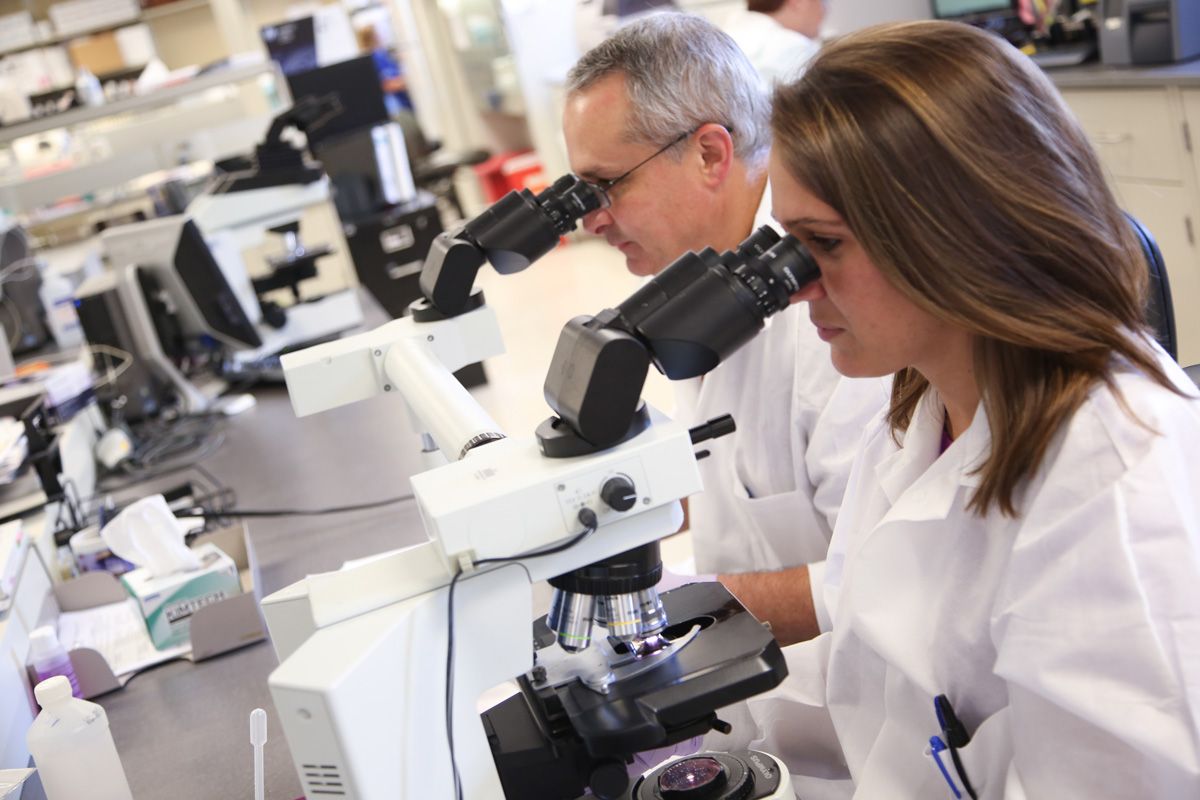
x=1067, y=639
x=772, y=490
x=778, y=53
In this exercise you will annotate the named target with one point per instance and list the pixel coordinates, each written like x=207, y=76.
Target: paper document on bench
x=117, y=632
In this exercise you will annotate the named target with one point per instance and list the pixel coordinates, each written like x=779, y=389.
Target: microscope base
x=553, y=741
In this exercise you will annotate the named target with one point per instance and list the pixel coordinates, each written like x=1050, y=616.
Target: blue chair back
x=1160, y=313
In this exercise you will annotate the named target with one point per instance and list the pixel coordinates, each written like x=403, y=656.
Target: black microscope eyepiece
x=512, y=233
x=773, y=273
x=568, y=200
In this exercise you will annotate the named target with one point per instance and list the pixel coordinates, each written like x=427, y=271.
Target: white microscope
x=193, y=264
x=383, y=663
x=272, y=196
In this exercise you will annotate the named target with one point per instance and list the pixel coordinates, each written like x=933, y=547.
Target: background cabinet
x=1143, y=136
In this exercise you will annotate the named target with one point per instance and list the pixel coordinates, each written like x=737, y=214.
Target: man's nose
x=595, y=222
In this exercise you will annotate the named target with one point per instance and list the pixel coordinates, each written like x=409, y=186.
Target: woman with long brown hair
x=1014, y=579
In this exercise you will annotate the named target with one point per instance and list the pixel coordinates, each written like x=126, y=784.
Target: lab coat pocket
x=769, y=537
x=987, y=756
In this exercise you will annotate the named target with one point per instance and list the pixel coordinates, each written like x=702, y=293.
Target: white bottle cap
x=43, y=643
x=52, y=690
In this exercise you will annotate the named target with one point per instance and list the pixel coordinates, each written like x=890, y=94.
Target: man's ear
x=716, y=153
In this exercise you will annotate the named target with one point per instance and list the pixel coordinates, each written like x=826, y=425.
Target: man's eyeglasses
x=606, y=186
x=603, y=187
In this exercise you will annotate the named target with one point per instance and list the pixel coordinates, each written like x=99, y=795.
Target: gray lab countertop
x=183, y=729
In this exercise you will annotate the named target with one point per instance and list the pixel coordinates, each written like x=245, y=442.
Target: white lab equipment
x=73, y=748
x=371, y=623
x=11, y=780
x=614, y=668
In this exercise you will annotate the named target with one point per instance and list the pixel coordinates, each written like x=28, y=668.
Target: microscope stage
x=732, y=658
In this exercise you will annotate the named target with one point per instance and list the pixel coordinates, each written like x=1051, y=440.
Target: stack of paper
x=117, y=632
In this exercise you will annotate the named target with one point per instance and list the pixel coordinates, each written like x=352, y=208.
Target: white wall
x=849, y=15
x=541, y=36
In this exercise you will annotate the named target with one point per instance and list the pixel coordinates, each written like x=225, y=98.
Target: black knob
x=619, y=493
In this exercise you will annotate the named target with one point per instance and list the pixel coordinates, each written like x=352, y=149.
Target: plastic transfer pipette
x=258, y=737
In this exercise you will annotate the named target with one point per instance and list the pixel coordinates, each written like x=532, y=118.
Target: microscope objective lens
x=624, y=616
x=654, y=616
x=601, y=612
x=571, y=620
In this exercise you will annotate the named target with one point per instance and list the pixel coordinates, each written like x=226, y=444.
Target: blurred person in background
x=778, y=36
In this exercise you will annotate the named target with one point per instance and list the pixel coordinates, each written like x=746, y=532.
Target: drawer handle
x=1113, y=138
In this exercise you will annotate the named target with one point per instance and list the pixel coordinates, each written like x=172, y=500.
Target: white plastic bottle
x=58, y=298
x=72, y=747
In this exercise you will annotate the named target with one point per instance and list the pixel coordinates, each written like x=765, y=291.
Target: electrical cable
x=587, y=517
x=111, y=373
x=160, y=442
x=27, y=265
x=231, y=513
x=224, y=510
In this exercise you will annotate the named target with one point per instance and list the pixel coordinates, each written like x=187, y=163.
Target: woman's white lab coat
x=772, y=489
x=1067, y=639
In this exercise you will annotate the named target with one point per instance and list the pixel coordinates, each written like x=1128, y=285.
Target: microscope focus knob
x=619, y=493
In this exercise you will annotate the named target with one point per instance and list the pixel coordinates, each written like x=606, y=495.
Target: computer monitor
x=104, y=320
x=961, y=9
x=178, y=298
x=208, y=288
x=292, y=45
x=175, y=253
x=323, y=38
x=357, y=86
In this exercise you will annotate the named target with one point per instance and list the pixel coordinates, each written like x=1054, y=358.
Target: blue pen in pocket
x=954, y=736
x=934, y=750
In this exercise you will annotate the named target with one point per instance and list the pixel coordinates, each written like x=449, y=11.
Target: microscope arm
x=410, y=358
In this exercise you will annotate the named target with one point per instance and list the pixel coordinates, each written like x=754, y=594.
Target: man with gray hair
x=670, y=120
x=671, y=89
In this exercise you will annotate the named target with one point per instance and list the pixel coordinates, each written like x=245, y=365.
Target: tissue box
x=167, y=603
